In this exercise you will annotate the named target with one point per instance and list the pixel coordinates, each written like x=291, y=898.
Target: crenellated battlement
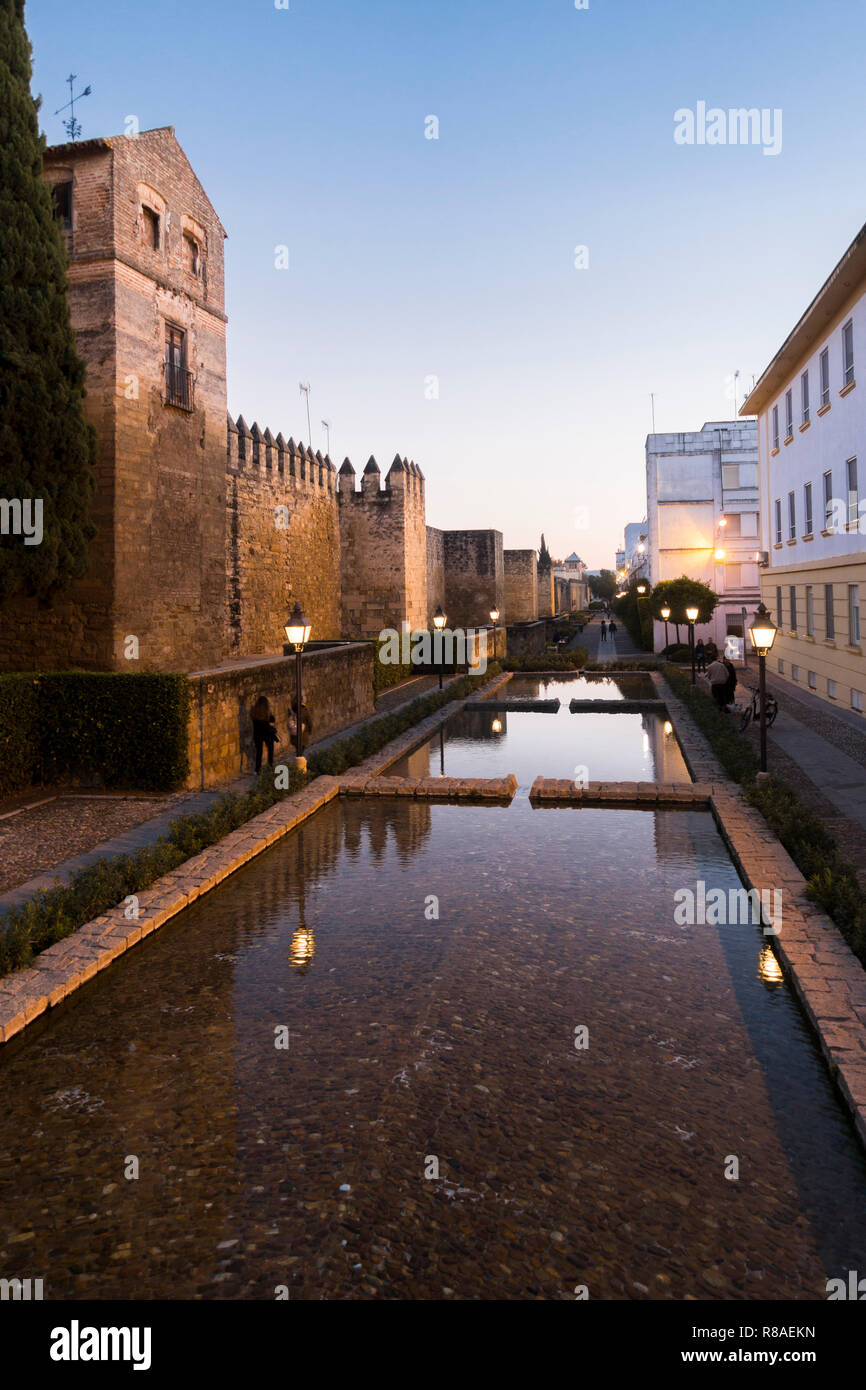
x=403, y=478
x=251, y=450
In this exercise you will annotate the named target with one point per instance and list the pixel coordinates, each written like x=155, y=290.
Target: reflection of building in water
x=472, y=726
x=666, y=756
x=406, y=820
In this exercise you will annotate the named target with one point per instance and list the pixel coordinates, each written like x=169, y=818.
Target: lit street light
x=298, y=633
x=439, y=621
x=763, y=635
x=665, y=614
x=692, y=615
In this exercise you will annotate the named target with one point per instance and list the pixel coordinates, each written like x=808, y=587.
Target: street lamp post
x=665, y=613
x=692, y=615
x=439, y=621
x=763, y=635
x=298, y=632
x=494, y=618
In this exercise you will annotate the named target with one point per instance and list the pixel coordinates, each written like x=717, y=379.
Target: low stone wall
x=338, y=691
x=526, y=638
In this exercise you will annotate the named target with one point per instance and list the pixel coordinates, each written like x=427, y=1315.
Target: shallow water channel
x=603, y=747
x=431, y=1130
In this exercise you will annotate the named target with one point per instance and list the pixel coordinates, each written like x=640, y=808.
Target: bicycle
x=753, y=710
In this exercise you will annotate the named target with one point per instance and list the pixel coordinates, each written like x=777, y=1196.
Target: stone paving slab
x=564, y=792
x=514, y=706
x=617, y=707
x=432, y=788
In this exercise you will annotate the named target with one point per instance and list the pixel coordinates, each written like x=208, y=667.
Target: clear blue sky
x=412, y=257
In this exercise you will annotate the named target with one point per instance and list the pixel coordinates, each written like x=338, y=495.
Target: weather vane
x=70, y=125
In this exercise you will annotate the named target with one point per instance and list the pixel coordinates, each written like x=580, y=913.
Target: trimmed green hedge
x=51, y=915
x=569, y=660
x=126, y=729
x=831, y=881
x=19, y=723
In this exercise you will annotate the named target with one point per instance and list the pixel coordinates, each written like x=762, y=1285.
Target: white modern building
x=702, y=511
x=812, y=442
x=635, y=552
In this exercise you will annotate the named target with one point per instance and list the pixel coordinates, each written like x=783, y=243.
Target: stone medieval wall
x=282, y=541
x=383, y=548
x=474, y=577
x=521, y=586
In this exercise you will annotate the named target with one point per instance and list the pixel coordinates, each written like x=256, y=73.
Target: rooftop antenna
x=305, y=391
x=326, y=425
x=653, y=404
x=736, y=375
x=71, y=125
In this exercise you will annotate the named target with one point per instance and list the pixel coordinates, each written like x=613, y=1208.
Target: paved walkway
x=805, y=734
x=617, y=648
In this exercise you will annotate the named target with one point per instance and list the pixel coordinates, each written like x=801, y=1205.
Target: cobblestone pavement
x=37, y=840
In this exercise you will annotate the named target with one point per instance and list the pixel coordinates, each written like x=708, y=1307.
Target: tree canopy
x=47, y=449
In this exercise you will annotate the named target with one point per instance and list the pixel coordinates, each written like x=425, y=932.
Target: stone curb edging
x=501, y=789
x=558, y=791
x=61, y=969
x=827, y=977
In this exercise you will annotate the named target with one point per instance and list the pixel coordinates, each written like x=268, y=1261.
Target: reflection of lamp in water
x=303, y=945
x=302, y=949
x=496, y=726
x=769, y=969
x=442, y=749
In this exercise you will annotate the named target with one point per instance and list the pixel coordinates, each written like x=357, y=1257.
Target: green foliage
x=680, y=594
x=544, y=560
x=831, y=881
x=388, y=674
x=635, y=612
x=47, y=450
x=603, y=584
x=19, y=732
x=53, y=914
x=129, y=729
x=570, y=660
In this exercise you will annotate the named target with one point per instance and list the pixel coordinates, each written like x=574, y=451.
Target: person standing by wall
x=264, y=730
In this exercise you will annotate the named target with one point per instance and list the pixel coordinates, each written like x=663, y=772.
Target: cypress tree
x=47, y=449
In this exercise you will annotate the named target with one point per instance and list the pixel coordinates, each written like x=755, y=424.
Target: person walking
x=264, y=730
x=718, y=677
x=612, y=628
x=306, y=723
x=603, y=630
x=731, y=684
x=700, y=655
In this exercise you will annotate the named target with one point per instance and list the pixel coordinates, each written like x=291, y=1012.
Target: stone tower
x=383, y=541
x=148, y=307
